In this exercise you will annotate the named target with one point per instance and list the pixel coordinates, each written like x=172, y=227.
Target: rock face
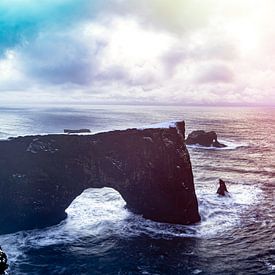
x=3, y=262
x=222, y=190
x=208, y=139
x=41, y=175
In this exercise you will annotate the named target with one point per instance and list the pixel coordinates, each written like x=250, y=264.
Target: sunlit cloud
x=118, y=51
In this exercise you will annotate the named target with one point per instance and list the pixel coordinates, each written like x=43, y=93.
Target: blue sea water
x=236, y=234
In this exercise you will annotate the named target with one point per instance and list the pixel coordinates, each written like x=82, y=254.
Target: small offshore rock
x=207, y=139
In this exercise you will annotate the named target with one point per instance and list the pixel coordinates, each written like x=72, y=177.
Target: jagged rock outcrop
x=208, y=139
x=41, y=175
x=222, y=190
x=3, y=262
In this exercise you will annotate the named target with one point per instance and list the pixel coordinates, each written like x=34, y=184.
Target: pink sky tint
x=208, y=52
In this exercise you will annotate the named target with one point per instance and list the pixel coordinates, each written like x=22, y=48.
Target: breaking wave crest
x=230, y=145
x=101, y=213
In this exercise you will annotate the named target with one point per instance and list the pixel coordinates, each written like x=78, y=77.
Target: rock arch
x=41, y=175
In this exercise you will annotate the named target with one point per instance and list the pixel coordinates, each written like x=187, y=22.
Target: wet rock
x=3, y=261
x=41, y=175
x=38, y=145
x=208, y=139
x=222, y=190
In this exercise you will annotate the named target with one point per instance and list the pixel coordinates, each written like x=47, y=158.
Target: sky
x=174, y=52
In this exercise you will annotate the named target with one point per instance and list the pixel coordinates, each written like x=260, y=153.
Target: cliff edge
x=41, y=175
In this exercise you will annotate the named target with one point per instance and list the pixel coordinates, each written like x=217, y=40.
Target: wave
x=220, y=214
x=162, y=125
x=100, y=216
x=4, y=136
x=230, y=145
x=106, y=207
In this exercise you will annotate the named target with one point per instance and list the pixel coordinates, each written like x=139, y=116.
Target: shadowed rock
x=41, y=175
x=3, y=262
x=222, y=190
x=208, y=139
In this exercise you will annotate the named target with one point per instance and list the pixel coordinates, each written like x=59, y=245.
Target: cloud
x=92, y=53
x=158, y=51
x=59, y=58
x=178, y=16
x=215, y=73
x=22, y=20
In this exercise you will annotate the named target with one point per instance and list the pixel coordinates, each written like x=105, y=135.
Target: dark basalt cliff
x=208, y=139
x=41, y=175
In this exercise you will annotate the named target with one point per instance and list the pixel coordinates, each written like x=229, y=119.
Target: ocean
x=100, y=236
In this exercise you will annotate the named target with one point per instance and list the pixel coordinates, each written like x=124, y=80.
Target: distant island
x=77, y=131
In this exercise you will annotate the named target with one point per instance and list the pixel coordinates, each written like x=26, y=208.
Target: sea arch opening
x=95, y=206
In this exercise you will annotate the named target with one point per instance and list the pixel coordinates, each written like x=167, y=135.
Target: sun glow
x=7, y=65
x=136, y=45
x=195, y=51
x=247, y=36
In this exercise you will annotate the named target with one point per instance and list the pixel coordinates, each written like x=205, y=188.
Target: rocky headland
x=41, y=175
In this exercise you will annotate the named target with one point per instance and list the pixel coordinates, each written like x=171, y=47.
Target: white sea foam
x=162, y=125
x=230, y=145
x=220, y=214
x=107, y=207
x=102, y=213
x=197, y=271
x=4, y=136
x=270, y=266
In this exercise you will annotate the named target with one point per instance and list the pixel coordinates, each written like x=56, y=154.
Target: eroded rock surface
x=208, y=139
x=41, y=175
